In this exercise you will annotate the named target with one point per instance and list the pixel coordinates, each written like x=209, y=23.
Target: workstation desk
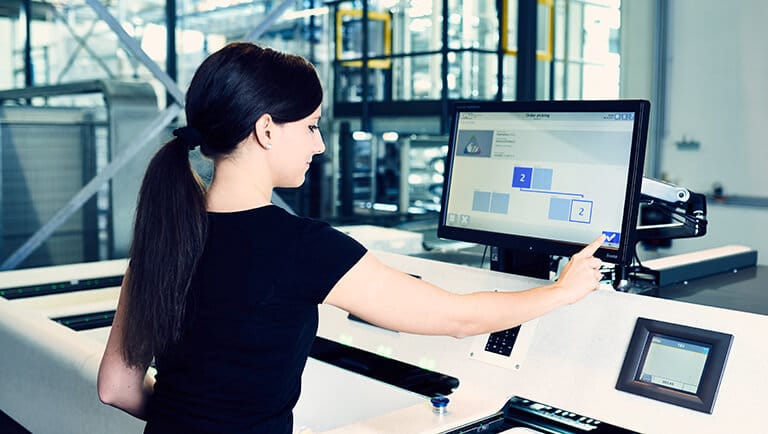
x=568, y=360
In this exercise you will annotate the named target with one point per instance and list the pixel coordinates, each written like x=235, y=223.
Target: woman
x=222, y=287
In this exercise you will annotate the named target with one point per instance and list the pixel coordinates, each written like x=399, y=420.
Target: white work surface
x=570, y=359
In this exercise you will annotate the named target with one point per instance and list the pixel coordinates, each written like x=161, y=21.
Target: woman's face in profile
x=293, y=146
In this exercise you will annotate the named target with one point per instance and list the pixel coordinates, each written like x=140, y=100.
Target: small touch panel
x=674, y=363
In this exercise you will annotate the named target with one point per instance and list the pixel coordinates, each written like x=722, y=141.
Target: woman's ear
x=262, y=130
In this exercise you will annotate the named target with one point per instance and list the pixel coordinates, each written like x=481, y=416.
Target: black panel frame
x=529, y=244
x=704, y=399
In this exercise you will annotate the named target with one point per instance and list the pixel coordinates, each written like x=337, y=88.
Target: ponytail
x=168, y=239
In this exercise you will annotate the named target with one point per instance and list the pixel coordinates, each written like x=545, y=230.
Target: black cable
x=637, y=258
x=673, y=212
x=636, y=270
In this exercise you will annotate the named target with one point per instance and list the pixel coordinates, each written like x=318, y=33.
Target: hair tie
x=190, y=136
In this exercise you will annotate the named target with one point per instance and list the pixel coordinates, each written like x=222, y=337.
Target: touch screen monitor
x=546, y=176
x=674, y=363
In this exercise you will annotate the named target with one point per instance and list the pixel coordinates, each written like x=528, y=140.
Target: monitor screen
x=545, y=176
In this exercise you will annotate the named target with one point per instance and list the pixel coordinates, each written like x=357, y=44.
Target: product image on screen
x=554, y=171
x=674, y=363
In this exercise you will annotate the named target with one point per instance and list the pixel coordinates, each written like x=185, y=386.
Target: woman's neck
x=237, y=186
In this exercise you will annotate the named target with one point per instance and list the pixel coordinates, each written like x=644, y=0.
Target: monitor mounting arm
x=687, y=209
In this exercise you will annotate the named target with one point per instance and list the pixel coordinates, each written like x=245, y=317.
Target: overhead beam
x=270, y=19
x=134, y=49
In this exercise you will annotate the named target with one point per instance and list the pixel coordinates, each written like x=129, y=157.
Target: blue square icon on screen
x=521, y=177
x=581, y=211
x=542, y=179
x=559, y=208
x=481, y=201
x=499, y=203
x=612, y=238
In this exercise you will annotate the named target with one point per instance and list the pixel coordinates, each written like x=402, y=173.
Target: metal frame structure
x=526, y=53
x=385, y=18
x=167, y=116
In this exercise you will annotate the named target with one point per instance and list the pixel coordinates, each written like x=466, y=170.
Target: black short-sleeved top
x=251, y=319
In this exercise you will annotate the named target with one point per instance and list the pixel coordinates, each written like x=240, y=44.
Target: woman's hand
x=581, y=274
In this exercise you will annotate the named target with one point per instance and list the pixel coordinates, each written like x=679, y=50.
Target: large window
x=576, y=58
x=577, y=44
x=587, y=58
x=417, y=50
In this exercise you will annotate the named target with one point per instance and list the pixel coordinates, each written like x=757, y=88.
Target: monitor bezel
x=712, y=374
x=525, y=243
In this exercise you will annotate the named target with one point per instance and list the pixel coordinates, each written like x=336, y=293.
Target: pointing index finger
x=590, y=249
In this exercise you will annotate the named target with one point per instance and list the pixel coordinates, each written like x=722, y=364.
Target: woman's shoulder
x=270, y=218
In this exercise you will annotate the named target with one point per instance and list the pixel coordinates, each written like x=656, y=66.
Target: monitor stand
x=531, y=264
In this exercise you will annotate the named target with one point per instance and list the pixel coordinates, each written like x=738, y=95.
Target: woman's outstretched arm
x=395, y=300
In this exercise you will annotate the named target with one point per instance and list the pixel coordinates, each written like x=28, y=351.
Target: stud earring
x=268, y=146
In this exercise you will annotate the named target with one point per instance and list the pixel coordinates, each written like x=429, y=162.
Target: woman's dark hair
x=231, y=89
